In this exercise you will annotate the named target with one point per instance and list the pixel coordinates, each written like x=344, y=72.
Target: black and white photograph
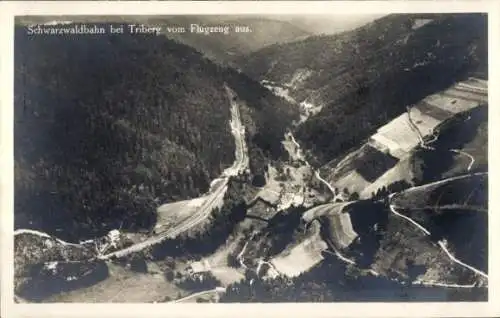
x=250, y=158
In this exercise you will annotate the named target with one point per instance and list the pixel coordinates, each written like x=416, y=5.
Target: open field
x=400, y=132
x=439, y=113
x=364, y=166
x=302, y=256
x=124, y=285
x=353, y=182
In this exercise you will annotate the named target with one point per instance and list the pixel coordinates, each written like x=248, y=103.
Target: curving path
x=440, y=243
x=216, y=194
x=340, y=256
x=467, y=155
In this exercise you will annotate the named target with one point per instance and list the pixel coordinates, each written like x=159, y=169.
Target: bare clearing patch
x=299, y=77
x=219, y=258
x=171, y=214
x=353, y=182
x=301, y=257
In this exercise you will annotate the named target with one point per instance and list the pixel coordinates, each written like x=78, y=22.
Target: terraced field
x=395, y=142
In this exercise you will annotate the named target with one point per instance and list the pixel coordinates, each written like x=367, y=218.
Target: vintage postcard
x=248, y=158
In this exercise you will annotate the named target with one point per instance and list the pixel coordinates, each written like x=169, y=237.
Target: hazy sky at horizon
x=328, y=23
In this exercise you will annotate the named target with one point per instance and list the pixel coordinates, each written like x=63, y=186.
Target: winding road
x=212, y=199
x=440, y=243
x=467, y=155
x=336, y=196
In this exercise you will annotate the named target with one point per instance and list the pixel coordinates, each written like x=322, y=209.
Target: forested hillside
x=363, y=78
x=107, y=127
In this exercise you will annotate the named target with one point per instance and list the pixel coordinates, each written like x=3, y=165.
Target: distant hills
x=227, y=48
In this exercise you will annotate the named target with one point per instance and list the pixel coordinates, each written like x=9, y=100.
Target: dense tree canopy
x=109, y=126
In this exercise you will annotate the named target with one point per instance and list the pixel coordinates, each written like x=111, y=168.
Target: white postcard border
x=10, y=9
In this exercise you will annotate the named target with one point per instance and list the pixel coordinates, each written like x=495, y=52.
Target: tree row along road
x=215, y=195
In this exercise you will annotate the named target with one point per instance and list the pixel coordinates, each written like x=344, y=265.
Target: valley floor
x=300, y=221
